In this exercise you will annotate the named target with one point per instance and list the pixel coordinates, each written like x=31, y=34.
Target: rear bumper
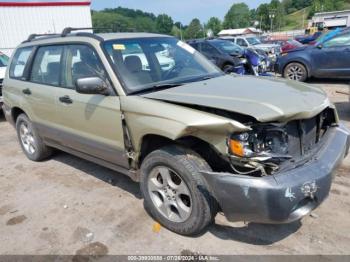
x=284, y=197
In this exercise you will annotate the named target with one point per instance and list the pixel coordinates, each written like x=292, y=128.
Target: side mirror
x=92, y=86
x=320, y=46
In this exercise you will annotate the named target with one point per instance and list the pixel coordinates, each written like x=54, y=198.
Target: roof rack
x=34, y=36
x=69, y=30
x=66, y=31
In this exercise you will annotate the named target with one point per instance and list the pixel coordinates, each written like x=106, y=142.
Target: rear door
x=36, y=83
x=91, y=124
x=333, y=59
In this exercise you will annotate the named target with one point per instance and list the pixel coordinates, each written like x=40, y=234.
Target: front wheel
x=295, y=71
x=174, y=191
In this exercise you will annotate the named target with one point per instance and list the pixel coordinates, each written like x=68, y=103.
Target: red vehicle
x=286, y=45
x=289, y=45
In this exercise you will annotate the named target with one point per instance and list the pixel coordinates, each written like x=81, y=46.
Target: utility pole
x=271, y=16
x=181, y=32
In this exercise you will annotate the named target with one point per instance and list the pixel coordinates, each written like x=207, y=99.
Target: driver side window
x=241, y=42
x=208, y=49
x=342, y=40
x=82, y=62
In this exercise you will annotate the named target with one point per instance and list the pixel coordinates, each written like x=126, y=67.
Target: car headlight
x=271, y=142
x=244, y=60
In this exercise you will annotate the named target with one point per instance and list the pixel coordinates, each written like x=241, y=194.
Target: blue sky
x=180, y=10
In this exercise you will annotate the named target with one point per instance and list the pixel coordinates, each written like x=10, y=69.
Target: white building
x=331, y=19
x=240, y=31
x=20, y=18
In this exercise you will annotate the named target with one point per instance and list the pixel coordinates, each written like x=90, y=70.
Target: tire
x=227, y=68
x=186, y=165
x=32, y=145
x=295, y=71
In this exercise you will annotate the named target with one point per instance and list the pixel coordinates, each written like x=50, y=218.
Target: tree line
x=266, y=17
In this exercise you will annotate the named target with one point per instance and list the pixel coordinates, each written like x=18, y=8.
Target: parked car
x=329, y=59
x=272, y=50
x=197, y=140
x=225, y=55
x=286, y=45
x=289, y=45
x=231, y=57
x=3, y=64
x=307, y=39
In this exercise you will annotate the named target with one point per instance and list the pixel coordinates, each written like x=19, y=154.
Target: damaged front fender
x=147, y=116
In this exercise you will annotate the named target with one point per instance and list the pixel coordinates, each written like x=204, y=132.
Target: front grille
x=304, y=135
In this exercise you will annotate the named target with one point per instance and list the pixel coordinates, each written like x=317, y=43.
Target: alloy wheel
x=170, y=194
x=27, y=138
x=295, y=72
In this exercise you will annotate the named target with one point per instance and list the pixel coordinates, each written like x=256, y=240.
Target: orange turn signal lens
x=237, y=147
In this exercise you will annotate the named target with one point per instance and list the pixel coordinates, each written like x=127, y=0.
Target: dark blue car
x=328, y=59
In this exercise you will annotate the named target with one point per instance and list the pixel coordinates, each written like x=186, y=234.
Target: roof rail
x=69, y=30
x=33, y=36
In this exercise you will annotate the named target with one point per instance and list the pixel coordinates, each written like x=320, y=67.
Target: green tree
x=214, y=24
x=237, y=17
x=277, y=9
x=194, y=30
x=164, y=24
x=262, y=15
x=326, y=5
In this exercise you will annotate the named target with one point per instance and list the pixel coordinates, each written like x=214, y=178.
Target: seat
x=133, y=65
x=53, y=73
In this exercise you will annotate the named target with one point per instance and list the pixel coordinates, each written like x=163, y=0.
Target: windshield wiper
x=155, y=88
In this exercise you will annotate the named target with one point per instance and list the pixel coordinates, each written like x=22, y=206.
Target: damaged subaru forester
x=198, y=141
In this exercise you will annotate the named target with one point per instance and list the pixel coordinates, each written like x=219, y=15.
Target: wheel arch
x=209, y=153
x=16, y=111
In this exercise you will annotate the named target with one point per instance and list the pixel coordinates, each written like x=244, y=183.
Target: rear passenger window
x=47, y=65
x=19, y=62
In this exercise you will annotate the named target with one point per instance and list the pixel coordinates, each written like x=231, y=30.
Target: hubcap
x=27, y=138
x=295, y=73
x=170, y=194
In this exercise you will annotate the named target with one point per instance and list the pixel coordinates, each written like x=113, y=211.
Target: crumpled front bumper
x=284, y=197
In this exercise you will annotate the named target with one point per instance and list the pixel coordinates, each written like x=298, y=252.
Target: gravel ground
x=67, y=205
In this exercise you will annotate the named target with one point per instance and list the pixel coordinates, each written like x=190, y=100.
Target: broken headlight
x=269, y=142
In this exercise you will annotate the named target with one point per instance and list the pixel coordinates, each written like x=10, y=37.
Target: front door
x=332, y=59
x=89, y=123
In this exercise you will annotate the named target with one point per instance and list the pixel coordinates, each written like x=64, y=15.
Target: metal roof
x=38, y=3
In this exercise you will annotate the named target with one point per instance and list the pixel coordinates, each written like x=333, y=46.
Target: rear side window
x=19, y=62
x=47, y=65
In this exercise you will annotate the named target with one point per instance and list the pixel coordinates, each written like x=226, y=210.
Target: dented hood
x=265, y=99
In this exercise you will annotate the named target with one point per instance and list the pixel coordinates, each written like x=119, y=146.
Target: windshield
x=144, y=63
x=3, y=60
x=253, y=40
x=227, y=47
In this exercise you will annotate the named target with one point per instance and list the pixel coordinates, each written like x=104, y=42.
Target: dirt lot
x=67, y=205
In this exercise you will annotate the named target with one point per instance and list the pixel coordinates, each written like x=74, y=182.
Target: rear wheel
x=32, y=145
x=295, y=71
x=174, y=192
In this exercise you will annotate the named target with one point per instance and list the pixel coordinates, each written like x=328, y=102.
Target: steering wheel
x=176, y=70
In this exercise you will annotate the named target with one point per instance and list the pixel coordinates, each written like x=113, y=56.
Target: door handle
x=66, y=100
x=27, y=91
